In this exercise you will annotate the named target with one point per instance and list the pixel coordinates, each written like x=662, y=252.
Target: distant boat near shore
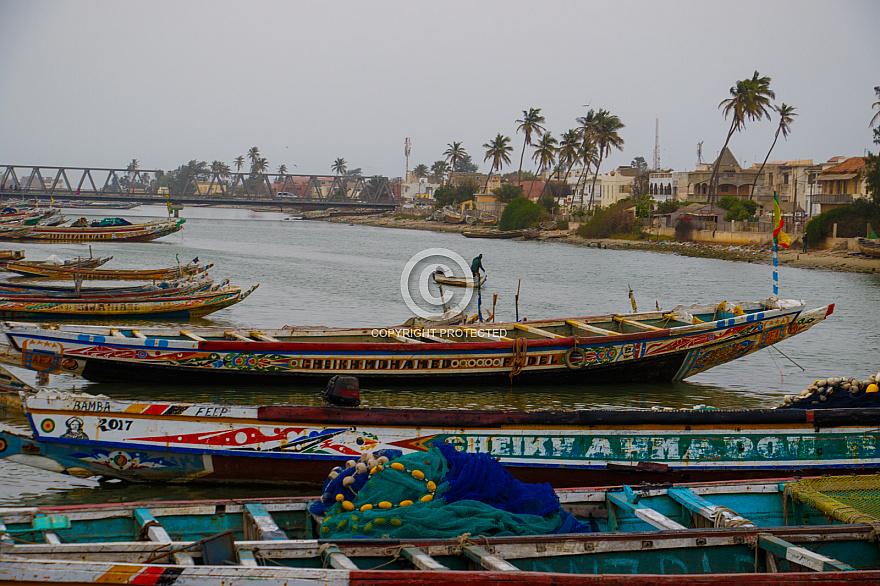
x=869, y=246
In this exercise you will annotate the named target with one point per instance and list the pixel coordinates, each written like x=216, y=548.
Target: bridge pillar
x=176, y=207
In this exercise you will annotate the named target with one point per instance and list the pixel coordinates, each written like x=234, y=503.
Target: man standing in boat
x=476, y=267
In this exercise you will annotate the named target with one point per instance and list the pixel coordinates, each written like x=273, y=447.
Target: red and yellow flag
x=779, y=237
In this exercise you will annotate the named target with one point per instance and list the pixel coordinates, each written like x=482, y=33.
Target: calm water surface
x=337, y=274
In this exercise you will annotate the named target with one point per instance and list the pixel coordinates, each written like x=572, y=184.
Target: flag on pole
x=779, y=237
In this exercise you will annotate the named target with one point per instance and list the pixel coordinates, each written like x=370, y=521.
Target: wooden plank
x=487, y=560
x=337, y=559
x=137, y=334
x=536, y=331
x=588, y=328
x=421, y=560
x=644, y=513
x=401, y=338
x=191, y=336
x=156, y=533
x=51, y=538
x=484, y=335
x=707, y=510
x=263, y=337
x=799, y=555
x=246, y=558
x=635, y=324
x=116, y=333
x=236, y=336
x=426, y=337
x=260, y=525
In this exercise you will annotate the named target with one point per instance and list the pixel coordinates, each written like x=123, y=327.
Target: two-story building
x=841, y=184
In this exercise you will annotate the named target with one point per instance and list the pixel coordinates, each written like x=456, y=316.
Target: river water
x=337, y=274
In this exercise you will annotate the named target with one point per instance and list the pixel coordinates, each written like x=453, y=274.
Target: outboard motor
x=343, y=391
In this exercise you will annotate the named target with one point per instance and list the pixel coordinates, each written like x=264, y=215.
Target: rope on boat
x=520, y=356
x=722, y=520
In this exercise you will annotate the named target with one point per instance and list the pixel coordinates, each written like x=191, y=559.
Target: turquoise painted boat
x=781, y=531
x=141, y=441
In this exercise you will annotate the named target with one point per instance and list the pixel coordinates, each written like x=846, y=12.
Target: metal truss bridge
x=94, y=184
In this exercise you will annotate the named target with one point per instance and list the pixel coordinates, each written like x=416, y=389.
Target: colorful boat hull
x=180, y=442
x=131, y=233
x=482, y=351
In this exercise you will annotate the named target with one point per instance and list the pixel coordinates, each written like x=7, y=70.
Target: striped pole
x=775, y=270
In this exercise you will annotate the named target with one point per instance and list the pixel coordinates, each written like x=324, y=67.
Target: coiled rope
x=520, y=356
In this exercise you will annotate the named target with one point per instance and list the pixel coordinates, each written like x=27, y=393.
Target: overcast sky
x=97, y=84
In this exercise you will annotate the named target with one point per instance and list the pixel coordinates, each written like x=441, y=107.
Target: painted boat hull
x=656, y=355
x=182, y=306
x=869, y=247
x=83, y=435
x=91, y=274
x=131, y=233
x=642, y=543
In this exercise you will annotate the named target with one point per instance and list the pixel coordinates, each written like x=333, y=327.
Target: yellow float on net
x=348, y=505
x=431, y=486
x=418, y=474
x=397, y=466
x=396, y=522
x=367, y=507
x=384, y=505
x=339, y=498
x=426, y=498
x=872, y=388
x=405, y=503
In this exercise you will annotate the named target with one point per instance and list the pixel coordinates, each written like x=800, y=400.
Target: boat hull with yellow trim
x=610, y=348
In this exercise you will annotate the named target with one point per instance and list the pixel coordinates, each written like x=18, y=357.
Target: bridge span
x=285, y=191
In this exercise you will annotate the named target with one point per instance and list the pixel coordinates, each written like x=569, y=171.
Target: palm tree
x=282, y=170
x=588, y=155
x=238, y=162
x=786, y=117
x=439, y=169
x=532, y=121
x=607, y=127
x=261, y=166
x=254, y=155
x=420, y=172
x=749, y=99
x=498, y=149
x=455, y=154
x=339, y=166
x=545, y=154
x=876, y=105
x=569, y=145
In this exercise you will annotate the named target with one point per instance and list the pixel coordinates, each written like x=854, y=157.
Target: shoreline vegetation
x=830, y=260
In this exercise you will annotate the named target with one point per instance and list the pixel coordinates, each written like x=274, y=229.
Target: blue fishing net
x=440, y=493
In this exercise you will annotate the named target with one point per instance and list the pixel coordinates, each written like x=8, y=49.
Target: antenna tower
x=657, y=144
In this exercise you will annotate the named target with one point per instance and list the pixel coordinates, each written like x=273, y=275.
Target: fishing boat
x=183, y=305
x=443, y=279
x=54, y=262
x=132, y=232
x=59, y=272
x=493, y=233
x=780, y=531
x=7, y=255
x=869, y=246
x=162, y=289
x=135, y=440
x=617, y=348
x=14, y=231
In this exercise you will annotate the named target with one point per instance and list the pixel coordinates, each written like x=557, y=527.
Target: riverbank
x=829, y=260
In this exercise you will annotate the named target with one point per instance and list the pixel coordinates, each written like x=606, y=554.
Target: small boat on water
x=53, y=262
x=187, y=303
x=7, y=255
x=493, y=233
x=14, y=231
x=454, y=530
x=113, y=233
x=16, y=292
x=443, y=279
x=637, y=347
x=869, y=246
x=59, y=272
x=292, y=218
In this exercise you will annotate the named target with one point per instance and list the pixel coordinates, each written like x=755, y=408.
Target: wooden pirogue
x=132, y=232
x=186, y=303
x=719, y=534
x=90, y=274
x=869, y=246
x=618, y=348
x=147, y=441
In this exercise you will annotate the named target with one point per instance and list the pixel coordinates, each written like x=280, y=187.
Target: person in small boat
x=477, y=266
